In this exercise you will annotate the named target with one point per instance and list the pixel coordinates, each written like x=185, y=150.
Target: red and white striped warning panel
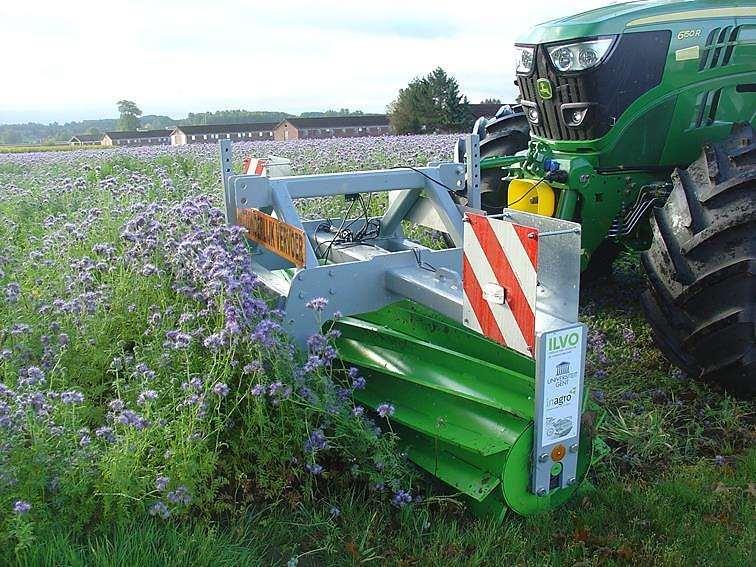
x=499, y=277
x=254, y=166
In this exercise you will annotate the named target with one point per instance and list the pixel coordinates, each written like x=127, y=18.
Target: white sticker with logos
x=561, y=393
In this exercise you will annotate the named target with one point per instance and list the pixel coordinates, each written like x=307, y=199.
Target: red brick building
x=332, y=127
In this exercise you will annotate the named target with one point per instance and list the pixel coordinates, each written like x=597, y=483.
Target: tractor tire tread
x=702, y=262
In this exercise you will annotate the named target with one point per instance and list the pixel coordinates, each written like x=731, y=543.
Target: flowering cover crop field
x=152, y=411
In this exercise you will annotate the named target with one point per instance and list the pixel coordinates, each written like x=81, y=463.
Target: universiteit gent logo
x=544, y=88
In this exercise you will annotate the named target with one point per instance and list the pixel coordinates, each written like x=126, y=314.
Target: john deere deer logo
x=544, y=88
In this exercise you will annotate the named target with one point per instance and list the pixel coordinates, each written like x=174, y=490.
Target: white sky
x=67, y=60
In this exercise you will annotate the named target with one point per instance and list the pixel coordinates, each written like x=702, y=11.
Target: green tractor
x=635, y=120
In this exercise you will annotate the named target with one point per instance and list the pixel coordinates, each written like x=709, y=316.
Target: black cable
x=338, y=232
x=425, y=175
x=526, y=192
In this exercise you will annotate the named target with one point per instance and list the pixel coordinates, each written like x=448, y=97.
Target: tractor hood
x=616, y=18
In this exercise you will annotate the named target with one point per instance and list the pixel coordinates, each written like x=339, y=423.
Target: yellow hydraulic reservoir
x=531, y=196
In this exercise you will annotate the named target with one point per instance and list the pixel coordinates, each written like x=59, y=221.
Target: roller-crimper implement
x=633, y=130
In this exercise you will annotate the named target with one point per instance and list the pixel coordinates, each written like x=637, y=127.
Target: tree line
x=132, y=118
x=431, y=103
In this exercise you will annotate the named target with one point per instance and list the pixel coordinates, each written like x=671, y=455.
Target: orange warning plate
x=280, y=238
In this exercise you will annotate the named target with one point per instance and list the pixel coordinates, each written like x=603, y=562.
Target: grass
x=698, y=514
x=676, y=485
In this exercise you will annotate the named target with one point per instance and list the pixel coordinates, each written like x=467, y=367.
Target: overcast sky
x=70, y=60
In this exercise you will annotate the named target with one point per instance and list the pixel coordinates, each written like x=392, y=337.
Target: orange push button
x=557, y=453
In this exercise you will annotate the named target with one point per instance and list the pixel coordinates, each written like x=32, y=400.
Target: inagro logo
x=563, y=341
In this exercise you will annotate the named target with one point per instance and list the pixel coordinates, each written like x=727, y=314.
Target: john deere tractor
x=635, y=120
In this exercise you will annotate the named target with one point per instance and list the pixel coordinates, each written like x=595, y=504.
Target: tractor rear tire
x=701, y=297
x=505, y=136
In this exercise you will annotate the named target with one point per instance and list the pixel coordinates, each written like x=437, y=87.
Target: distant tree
x=11, y=137
x=432, y=103
x=93, y=131
x=340, y=112
x=130, y=114
x=491, y=101
x=233, y=117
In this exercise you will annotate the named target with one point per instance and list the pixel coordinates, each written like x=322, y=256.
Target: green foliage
x=340, y=112
x=229, y=426
x=491, y=101
x=432, y=103
x=130, y=113
x=676, y=487
x=694, y=515
x=234, y=117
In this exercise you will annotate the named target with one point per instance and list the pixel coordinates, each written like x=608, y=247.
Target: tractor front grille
x=634, y=65
x=565, y=88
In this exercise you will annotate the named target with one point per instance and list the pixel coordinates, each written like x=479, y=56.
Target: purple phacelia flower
x=334, y=512
x=149, y=270
x=105, y=433
x=160, y=509
x=161, y=482
x=401, y=498
x=193, y=384
x=146, y=396
x=385, y=410
x=357, y=411
x=313, y=363
x=12, y=291
x=257, y=390
x=133, y=419
x=21, y=507
x=72, y=397
x=314, y=468
x=317, y=342
x=180, y=495
x=359, y=383
x=317, y=304
x=214, y=342
x=35, y=375
x=220, y=389
x=316, y=441
x=598, y=396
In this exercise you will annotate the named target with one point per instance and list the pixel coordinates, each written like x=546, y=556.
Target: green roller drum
x=464, y=405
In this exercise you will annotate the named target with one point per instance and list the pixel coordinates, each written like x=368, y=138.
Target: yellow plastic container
x=531, y=196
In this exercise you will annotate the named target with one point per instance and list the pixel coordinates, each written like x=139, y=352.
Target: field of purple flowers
x=144, y=378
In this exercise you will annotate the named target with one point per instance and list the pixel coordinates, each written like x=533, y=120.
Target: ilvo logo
x=564, y=341
x=544, y=88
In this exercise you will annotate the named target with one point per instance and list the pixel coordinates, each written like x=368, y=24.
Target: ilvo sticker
x=563, y=371
x=560, y=364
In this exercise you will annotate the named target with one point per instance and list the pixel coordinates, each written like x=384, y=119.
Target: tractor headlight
x=531, y=111
x=574, y=113
x=524, y=59
x=579, y=56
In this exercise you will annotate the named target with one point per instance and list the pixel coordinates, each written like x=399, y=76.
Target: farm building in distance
x=332, y=127
x=137, y=138
x=86, y=140
x=205, y=133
